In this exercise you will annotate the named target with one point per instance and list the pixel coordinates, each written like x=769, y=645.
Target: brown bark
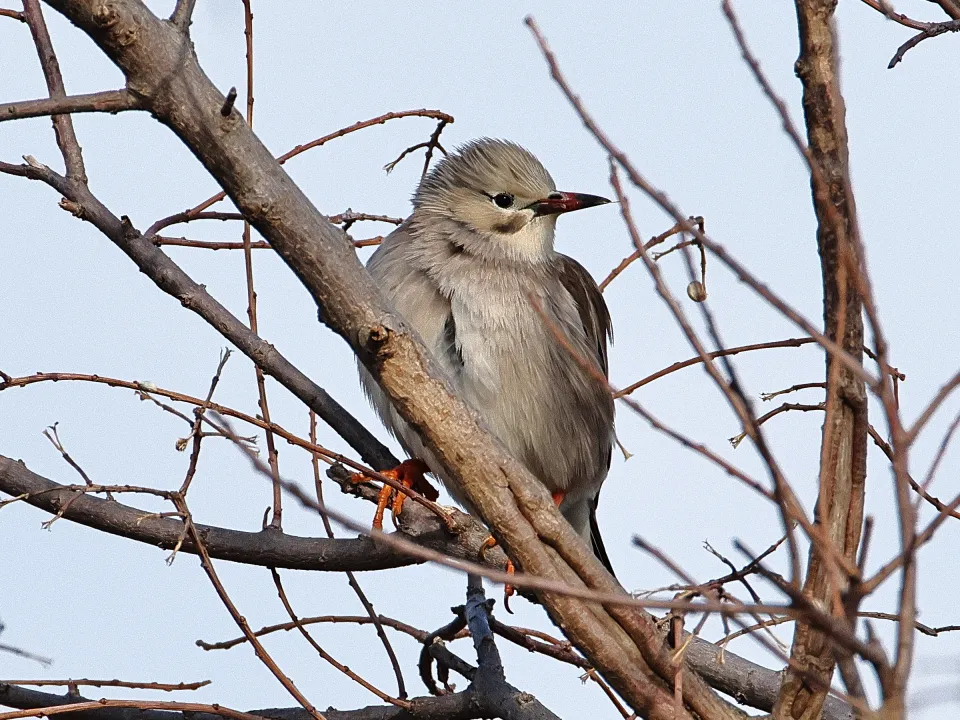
x=843, y=456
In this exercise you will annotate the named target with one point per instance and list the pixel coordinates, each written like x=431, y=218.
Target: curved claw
x=410, y=474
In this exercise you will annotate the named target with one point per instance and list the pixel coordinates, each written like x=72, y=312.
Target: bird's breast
x=531, y=392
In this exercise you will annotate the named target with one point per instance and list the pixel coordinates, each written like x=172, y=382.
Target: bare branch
x=165, y=687
x=182, y=15
x=635, y=255
x=14, y=14
x=170, y=278
x=110, y=101
x=95, y=705
x=62, y=124
x=930, y=32
x=790, y=343
x=266, y=549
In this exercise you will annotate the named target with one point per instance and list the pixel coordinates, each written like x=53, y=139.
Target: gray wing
x=594, y=314
x=398, y=271
x=595, y=318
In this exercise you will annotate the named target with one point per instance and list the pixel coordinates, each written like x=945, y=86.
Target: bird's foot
x=410, y=474
x=508, y=590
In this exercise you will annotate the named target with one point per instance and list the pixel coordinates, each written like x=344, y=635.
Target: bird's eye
x=503, y=200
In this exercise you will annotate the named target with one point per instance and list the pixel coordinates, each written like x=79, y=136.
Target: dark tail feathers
x=597, y=542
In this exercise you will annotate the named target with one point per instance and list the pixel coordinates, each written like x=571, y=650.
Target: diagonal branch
x=170, y=278
x=930, y=32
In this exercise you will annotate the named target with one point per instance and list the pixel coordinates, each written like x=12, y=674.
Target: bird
x=474, y=272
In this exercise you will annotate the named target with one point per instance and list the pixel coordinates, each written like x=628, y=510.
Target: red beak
x=560, y=202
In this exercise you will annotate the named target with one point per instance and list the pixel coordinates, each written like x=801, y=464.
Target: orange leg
x=508, y=589
x=410, y=474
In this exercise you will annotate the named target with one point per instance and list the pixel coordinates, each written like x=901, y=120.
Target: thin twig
x=165, y=687
x=150, y=388
x=785, y=407
x=379, y=120
x=635, y=255
x=886, y=9
x=135, y=704
x=386, y=697
x=108, y=101
x=351, y=576
x=790, y=343
x=937, y=29
x=207, y=564
x=62, y=124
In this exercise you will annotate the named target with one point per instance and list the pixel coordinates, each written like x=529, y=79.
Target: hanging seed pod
x=696, y=291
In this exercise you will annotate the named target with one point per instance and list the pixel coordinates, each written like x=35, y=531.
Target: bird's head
x=501, y=197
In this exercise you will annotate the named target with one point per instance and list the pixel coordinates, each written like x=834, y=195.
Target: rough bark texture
x=843, y=458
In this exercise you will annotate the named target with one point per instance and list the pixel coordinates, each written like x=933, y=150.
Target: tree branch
x=930, y=32
x=170, y=278
x=265, y=548
x=843, y=455
x=182, y=15
x=62, y=124
x=110, y=101
x=455, y=706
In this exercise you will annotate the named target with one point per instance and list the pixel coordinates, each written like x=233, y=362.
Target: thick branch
x=843, y=456
x=267, y=548
x=455, y=706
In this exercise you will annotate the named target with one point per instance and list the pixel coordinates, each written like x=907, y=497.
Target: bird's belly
x=539, y=411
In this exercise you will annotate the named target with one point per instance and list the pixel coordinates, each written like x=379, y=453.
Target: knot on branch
x=377, y=345
x=105, y=15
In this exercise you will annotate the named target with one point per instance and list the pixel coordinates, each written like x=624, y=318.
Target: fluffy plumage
x=461, y=270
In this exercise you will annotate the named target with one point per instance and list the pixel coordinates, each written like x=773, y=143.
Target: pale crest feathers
x=486, y=166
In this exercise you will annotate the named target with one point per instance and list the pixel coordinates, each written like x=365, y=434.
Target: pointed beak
x=560, y=202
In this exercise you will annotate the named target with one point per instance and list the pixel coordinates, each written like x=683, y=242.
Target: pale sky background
x=666, y=82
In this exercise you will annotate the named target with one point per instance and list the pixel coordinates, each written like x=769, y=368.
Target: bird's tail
x=596, y=541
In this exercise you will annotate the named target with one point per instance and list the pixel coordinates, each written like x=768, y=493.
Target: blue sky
x=665, y=80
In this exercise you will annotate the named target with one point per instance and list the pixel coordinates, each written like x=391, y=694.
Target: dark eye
x=503, y=200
